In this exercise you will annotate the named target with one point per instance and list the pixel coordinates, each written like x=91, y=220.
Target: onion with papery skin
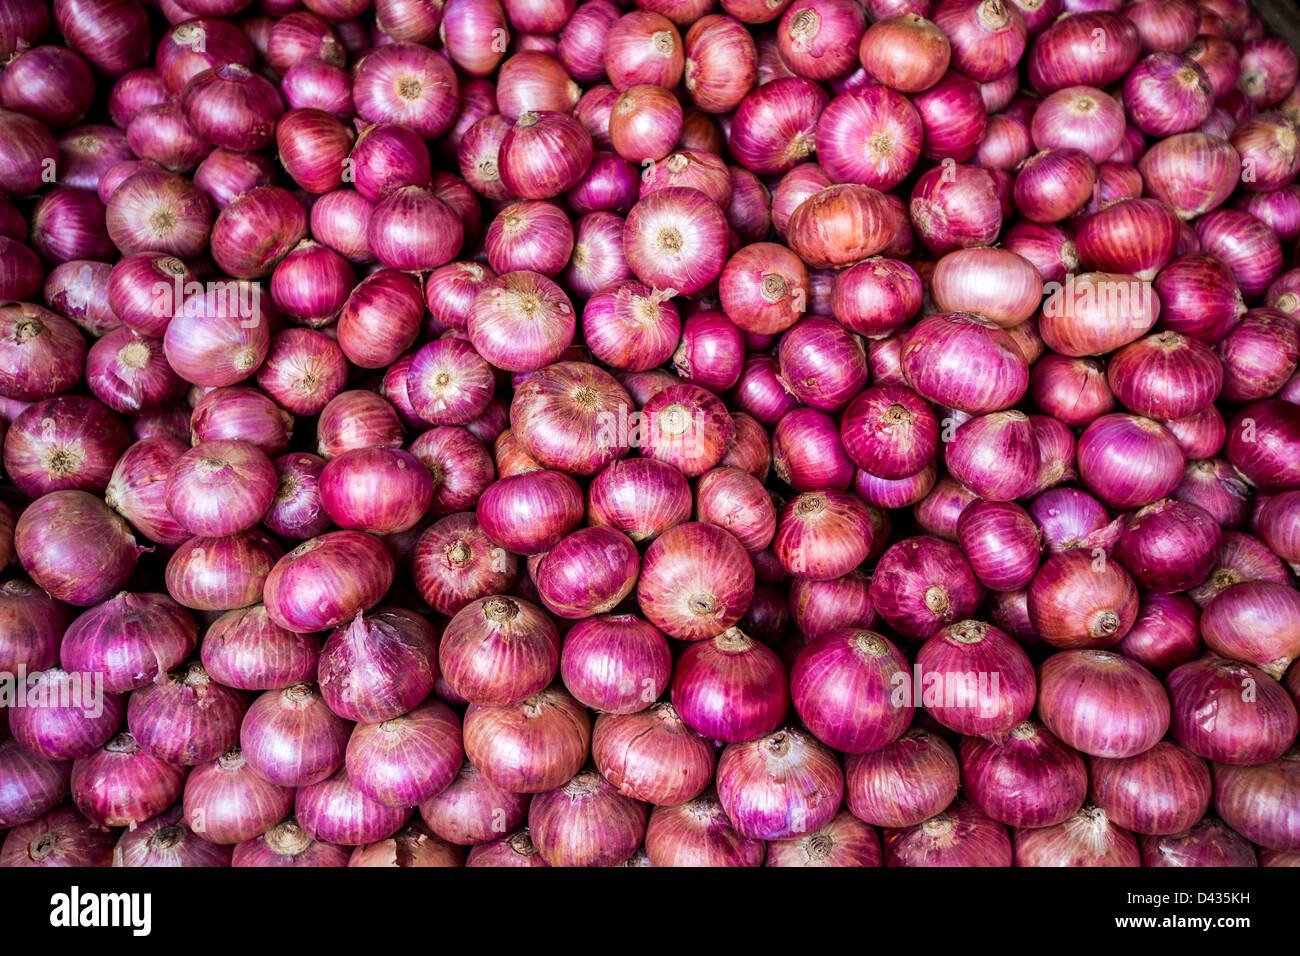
x=1101, y=703
x=844, y=688
x=405, y=760
x=696, y=581
x=1087, y=838
x=903, y=784
x=1262, y=803
x=62, y=837
x=121, y=785
x=1257, y=622
x=379, y=666
x=961, y=835
x=1230, y=712
x=185, y=717
x=973, y=678
x=471, y=809
x=1031, y=779
x=529, y=747
x=922, y=584
x=586, y=822
x=1164, y=790
x=699, y=833
x=780, y=785
x=327, y=580
x=652, y=756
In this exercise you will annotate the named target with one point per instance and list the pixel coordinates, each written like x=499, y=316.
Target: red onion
x=954, y=207
x=586, y=822
x=1203, y=169
x=408, y=759
x=1261, y=444
x=461, y=467
x=652, y=756
x=822, y=535
x=336, y=811
x=327, y=580
x=1001, y=542
x=232, y=107
x=1208, y=843
x=517, y=849
x=844, y=841
x=572, y=417
x=720, y=65
x=961, y=835
x=1198, y=297
x=471, y=809
x=1257, y=622
x=903, y=784
x=528, y=513
x=499, y=651
x=822, y=363
x=255, y=231
x=341, y=221
x=61, y=837
x=1245, y=244
x=730, y=688
x=244, y=648
x=953, y=116
x=378, y=666
x=66, y=442
x=684, y=426
x=50, y=83
x=227, y=802
x=224, y=175
x=778, y=786
x=1087, y=838
x=1067, y=52
x=291, y=738
x=875, y=297
x=643, y=47
x=531, y=746
x=1169, y=546
x=1102, y=704
x=219, y=574
x=112, y=34
x=869, y=135
x=964, y=361
x=922, y=584
x=1165, y=790
x=905, y=52
x=1259, y=355
x=185, y=717
x=1128, y=460
x=120, y=785
x=807, y=453
x=996, y=456
x=288, y=845
x=698, y=833
x=296, y=511
x=521, y=322
x=676, y=239
x=74, y=547
x=25, y=169
x=961, y=673
x=775, y=125
x=1268, y=71
x=615, y=663
x=408, y=84
x=1031, y=779
x=64, y=715
x=844, y=686
x=640, y=497
x=31, y=627
x=455, y=563
x=1260, y=802
x=1164, y=634
x=1230, y=712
